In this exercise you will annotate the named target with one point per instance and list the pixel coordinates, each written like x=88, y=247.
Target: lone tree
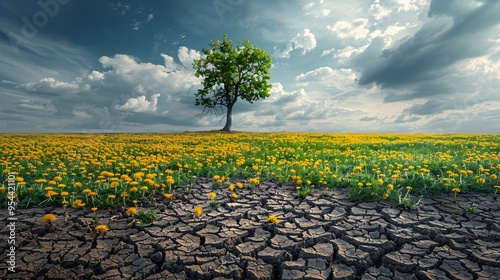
x=230, y=73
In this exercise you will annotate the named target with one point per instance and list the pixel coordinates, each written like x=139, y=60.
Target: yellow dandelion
x=134, y=189
x=273, y=219
x=168, y=195
x=131, y=211
x=198, y=210
x=51, y=194
x=234, y=195
x=170, y=180
x=101, y=228
x=211, y=195
x=48, y=218
x=78, y=203
x=86, y=191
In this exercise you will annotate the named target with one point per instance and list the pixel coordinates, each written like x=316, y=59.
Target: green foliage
x=145, y=217
x=303, y=192
x=406, y=201
x=466, y=209
x=230, y=74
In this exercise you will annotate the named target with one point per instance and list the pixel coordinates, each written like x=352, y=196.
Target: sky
x=100, y=66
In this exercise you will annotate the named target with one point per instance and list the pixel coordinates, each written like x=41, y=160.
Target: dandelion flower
x=87, y=191
x=211, y=195
x=78, y=203
x=239, y=185
x=93, y=209
x=455, y=190
x=168, y=195
x=234, y=195
x=390, y=187
x=170, y=180
x=101, y=228
x=51, y=194
x=273, y=219
x=231, y=187
x=198, y=210
x=131, y=211
x=48, y=218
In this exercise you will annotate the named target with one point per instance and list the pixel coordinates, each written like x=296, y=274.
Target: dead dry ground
x=318, y=238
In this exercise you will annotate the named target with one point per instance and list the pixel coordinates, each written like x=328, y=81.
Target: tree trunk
x=229, y=119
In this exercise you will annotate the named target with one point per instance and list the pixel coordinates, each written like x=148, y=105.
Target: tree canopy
x=231, y=73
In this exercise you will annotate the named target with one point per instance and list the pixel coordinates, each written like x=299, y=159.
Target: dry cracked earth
x=320, y=237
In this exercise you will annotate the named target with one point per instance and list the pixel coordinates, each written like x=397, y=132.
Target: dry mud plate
x=317, y=238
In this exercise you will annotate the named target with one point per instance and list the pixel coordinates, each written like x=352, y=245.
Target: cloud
x=141, y=104
x=187, y=57
x=436, y=47
x=285, y=53
x=137, y=24
x=127, y=69
x=378, y=12
x=55, y=87
x=303, y=40
x=31, y=59
x=410, y=5
x=316, y=12
x=127, y=91
x=336, y=81
x=355, y=29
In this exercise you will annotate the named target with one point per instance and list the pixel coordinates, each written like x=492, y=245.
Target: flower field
x=110, y=170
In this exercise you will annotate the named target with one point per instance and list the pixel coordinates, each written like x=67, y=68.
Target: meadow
x=111, y=170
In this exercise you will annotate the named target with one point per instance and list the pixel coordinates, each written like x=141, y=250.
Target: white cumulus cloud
x=141, y=104
x=355, y=29
x=303, y=40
